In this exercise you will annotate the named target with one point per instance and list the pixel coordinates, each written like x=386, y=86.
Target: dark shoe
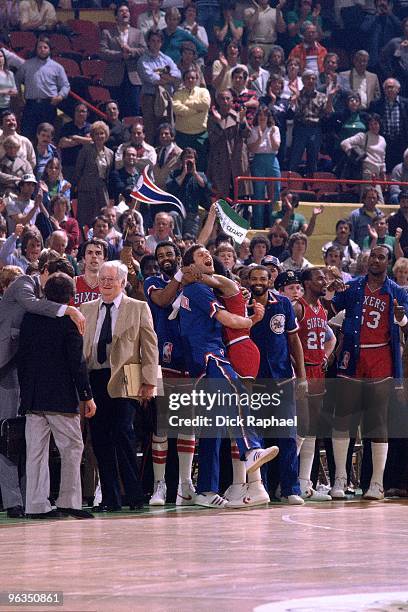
x=46, y=515
x=76, y=512
x=15, y=512
x=102, y=508
x=136, y=506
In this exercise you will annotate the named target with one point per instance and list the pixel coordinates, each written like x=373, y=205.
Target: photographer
x=192, y=188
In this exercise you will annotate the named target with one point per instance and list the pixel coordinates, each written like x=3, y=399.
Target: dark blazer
x=51, y=369
x=379, y=107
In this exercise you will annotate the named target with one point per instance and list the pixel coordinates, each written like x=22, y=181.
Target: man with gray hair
x=399, y=174
x=119, y=331
x=359, y=80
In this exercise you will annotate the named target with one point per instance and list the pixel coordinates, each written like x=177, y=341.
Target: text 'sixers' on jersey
x=312, y=332
x=83, y=292
x=375, y=327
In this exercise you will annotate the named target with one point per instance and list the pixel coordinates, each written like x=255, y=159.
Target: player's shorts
x=174, y=381
x=316, y=380
x=245, y=358
x=374, y=363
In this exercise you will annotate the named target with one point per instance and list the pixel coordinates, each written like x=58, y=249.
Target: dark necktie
x=105, y=336
x=162, y=157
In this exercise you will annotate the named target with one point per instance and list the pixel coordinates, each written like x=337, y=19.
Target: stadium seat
x=84, y=28
x=22, y=40
x=135, y=11
x=297, y=185
x=95, y=69
x=98, y=95
x=85, y=45
x=70, y=66
x=325, y=191
x=106, y=25
x=60, y=43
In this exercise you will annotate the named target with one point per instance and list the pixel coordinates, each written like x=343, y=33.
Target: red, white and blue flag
x=146, y=191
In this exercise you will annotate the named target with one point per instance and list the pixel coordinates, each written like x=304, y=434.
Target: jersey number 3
x=373, y=319
x=315, y=341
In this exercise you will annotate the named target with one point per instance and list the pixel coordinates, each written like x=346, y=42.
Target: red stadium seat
x=135, y=11
x=70, y=66
x=297, y=186
x=22, y=40
x=95, y=69
x=107, y=25
x=84, y=28
x=60, y=43
x=86, y=46
x=325, y=191
x=98, y=95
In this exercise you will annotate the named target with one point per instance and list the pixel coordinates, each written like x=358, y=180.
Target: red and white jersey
x=83, y=292
x=375, y=322
x=312, y=332
x=236, y=305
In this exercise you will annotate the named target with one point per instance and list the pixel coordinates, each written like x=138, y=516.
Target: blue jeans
x=309, y=138
x=208, y=17
x=264, y=164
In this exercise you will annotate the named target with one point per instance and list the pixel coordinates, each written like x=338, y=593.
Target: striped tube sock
x=185, y=451
x=159, y=455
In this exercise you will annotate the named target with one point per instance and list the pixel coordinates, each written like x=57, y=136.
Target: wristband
x=178, y=276
x=403, y=322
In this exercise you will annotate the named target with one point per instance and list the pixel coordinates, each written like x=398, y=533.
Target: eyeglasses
x=106, y=280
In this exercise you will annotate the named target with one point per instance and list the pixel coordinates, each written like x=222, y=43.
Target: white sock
x=379, y=451
x=238, y=466
x=341, y=443
x=254, y=476
x=306, y=457
x=159, y=455
x=185, y=451
x=299, y=442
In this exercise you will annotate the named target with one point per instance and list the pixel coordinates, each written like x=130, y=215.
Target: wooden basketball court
x=194, y=559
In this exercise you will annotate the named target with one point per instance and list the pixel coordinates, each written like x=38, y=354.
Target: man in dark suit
x=49, y=389
x=393, y=110
x=121, y=48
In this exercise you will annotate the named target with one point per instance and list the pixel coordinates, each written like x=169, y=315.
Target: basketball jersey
x=83, y=292
x=375, y=326
x=312, y=332
x=235, y=304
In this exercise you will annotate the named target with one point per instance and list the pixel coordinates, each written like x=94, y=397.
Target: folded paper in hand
x=134, y=380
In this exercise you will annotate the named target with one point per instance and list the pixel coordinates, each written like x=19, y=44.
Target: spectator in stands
x=13, y=61
x=58, y=241
x=304, y=13
x=101, y=227
x=400, y=272
x=264, y=23
x=362, y=217
x=297, y=247
x=310, y=107
x=188, y=61
x=228, y=28
x=190, y=106
x=258, y=76
x=276, y=60
x=45, y=149
x=168, y=155
x=53, y=182
x=174, y=36
x=22, y=208
x=208, y=15
x=333, y=256
x=400, y=219
x=223, y=67
x=292, y=221
x=373, y=147
x=378, y=29
x=127, y=175
x=227, y=133
x=242, y=97
x=121, y=49
x=118, y=132
x=61, y=220
x=227, y=255
x=399, y=174
x=310, y=53
x=31, y=247
x=278, y=238
x=329, y=78
x=152, y=19
x=393, y=110
x=9, y=15
x=192, y=188
x=378, y=235
x=37, y=15
x=280, y=109
x=350, y=249
x=145, y=153
x=263, y=143
x=155, y=70
x=293, y=83
x=73, y=135
x=94, y=164
x=345, y=125
x=394, y=58
x=7, y=83
x=258, y=248
x=45, y=86
x=190, y=24
x=162, y=230
x=360, y=81
x=9, y=128
x=12, y=167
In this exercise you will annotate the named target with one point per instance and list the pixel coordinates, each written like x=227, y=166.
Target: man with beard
x=376, y=310
x=278, y=342
x=201, y=319
x=318, y=342
x=87, y=284
x=161, y=291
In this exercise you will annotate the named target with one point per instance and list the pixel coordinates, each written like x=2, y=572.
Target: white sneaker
x=186, y=494
x=159, y=494
x=338, y=489
x=257, y=457
x=210, y=500
x=253, y=494
x=234, y=491
x=309, y=493
x=375, y=492
x=293, y=500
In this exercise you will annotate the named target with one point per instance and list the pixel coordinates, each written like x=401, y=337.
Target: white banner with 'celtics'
x=231, y=222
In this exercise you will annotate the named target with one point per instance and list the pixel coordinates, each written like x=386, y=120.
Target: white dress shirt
x=94, y=363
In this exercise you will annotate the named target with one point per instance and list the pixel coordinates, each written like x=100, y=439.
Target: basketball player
x=161, y=291
x=318, y=342
x=87, y=285
x=376, y=309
